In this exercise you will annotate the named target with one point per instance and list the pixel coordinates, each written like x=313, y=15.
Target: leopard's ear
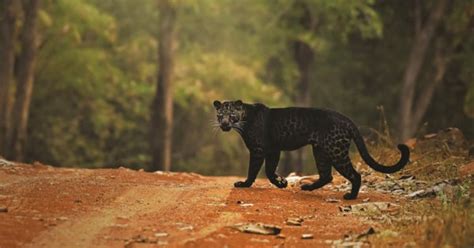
x=238, y=103
x=217, y=104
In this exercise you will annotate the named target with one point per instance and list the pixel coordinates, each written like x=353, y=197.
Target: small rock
x=407, y=177
x=398, y=191
x=416, y=193
x=332, y=200
x=345, y=208
x=366, y=200
x=186, y=228
x=294, y=221
x=243, y=204
x=307, y=236
x=425, y=193
x=3, y=209
x=62, y=218
x=246, y=205
x=4, y=162
x=258, y=228
x=281, y=236
x=161, y=234
x=369, y=207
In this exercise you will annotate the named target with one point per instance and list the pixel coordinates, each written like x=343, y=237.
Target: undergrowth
x=444, y=221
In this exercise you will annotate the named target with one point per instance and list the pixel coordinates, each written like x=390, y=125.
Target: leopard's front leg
x=255, y=163
x=271, y=163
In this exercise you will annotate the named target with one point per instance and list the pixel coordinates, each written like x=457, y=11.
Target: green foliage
x=91, y=104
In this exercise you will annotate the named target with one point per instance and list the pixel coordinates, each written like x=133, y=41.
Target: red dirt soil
x=53, y=207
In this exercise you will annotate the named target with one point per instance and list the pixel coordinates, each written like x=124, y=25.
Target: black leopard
x=268, y=131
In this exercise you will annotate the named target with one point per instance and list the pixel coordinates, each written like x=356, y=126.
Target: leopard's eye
x=233, y=117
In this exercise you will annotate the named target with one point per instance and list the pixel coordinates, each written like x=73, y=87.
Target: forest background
x=109, y=83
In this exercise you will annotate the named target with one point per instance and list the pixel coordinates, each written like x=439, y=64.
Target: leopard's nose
x=225, y=124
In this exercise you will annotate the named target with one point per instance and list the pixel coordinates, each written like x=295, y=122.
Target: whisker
x=238, y=129
x=215, y=131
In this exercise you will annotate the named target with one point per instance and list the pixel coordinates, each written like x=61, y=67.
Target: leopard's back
x=294, y=127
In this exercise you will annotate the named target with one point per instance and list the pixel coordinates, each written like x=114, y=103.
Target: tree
x=8, y=16
x=304, y=57
x=162, y=107
x=410, y=112
x=25, y=78
x=313, y=28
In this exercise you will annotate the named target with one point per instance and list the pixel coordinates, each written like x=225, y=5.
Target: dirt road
x=51, y=207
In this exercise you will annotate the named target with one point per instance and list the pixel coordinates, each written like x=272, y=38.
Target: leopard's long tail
x=364, y=153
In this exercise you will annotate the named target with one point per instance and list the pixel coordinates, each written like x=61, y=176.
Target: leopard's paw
x=280, y=182
x=349, y=196
x=242, y=184
x=307, y=187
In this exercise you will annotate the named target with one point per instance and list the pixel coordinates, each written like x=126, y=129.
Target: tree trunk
x=422, y=40
x=162, y=112
x=25, y=78
x=7, y=57
x=304, y=57
x=440, y=63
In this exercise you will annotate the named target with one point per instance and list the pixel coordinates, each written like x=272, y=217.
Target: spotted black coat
x=268, y=131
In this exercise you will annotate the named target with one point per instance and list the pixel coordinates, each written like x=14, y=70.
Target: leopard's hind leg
x=337, y=144
x=324, y=170
x=347, y=170
x=344, y=166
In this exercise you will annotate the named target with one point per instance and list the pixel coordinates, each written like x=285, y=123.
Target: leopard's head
x=230, y=114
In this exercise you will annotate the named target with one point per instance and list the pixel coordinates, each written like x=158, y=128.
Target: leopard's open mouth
x=226, y=128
